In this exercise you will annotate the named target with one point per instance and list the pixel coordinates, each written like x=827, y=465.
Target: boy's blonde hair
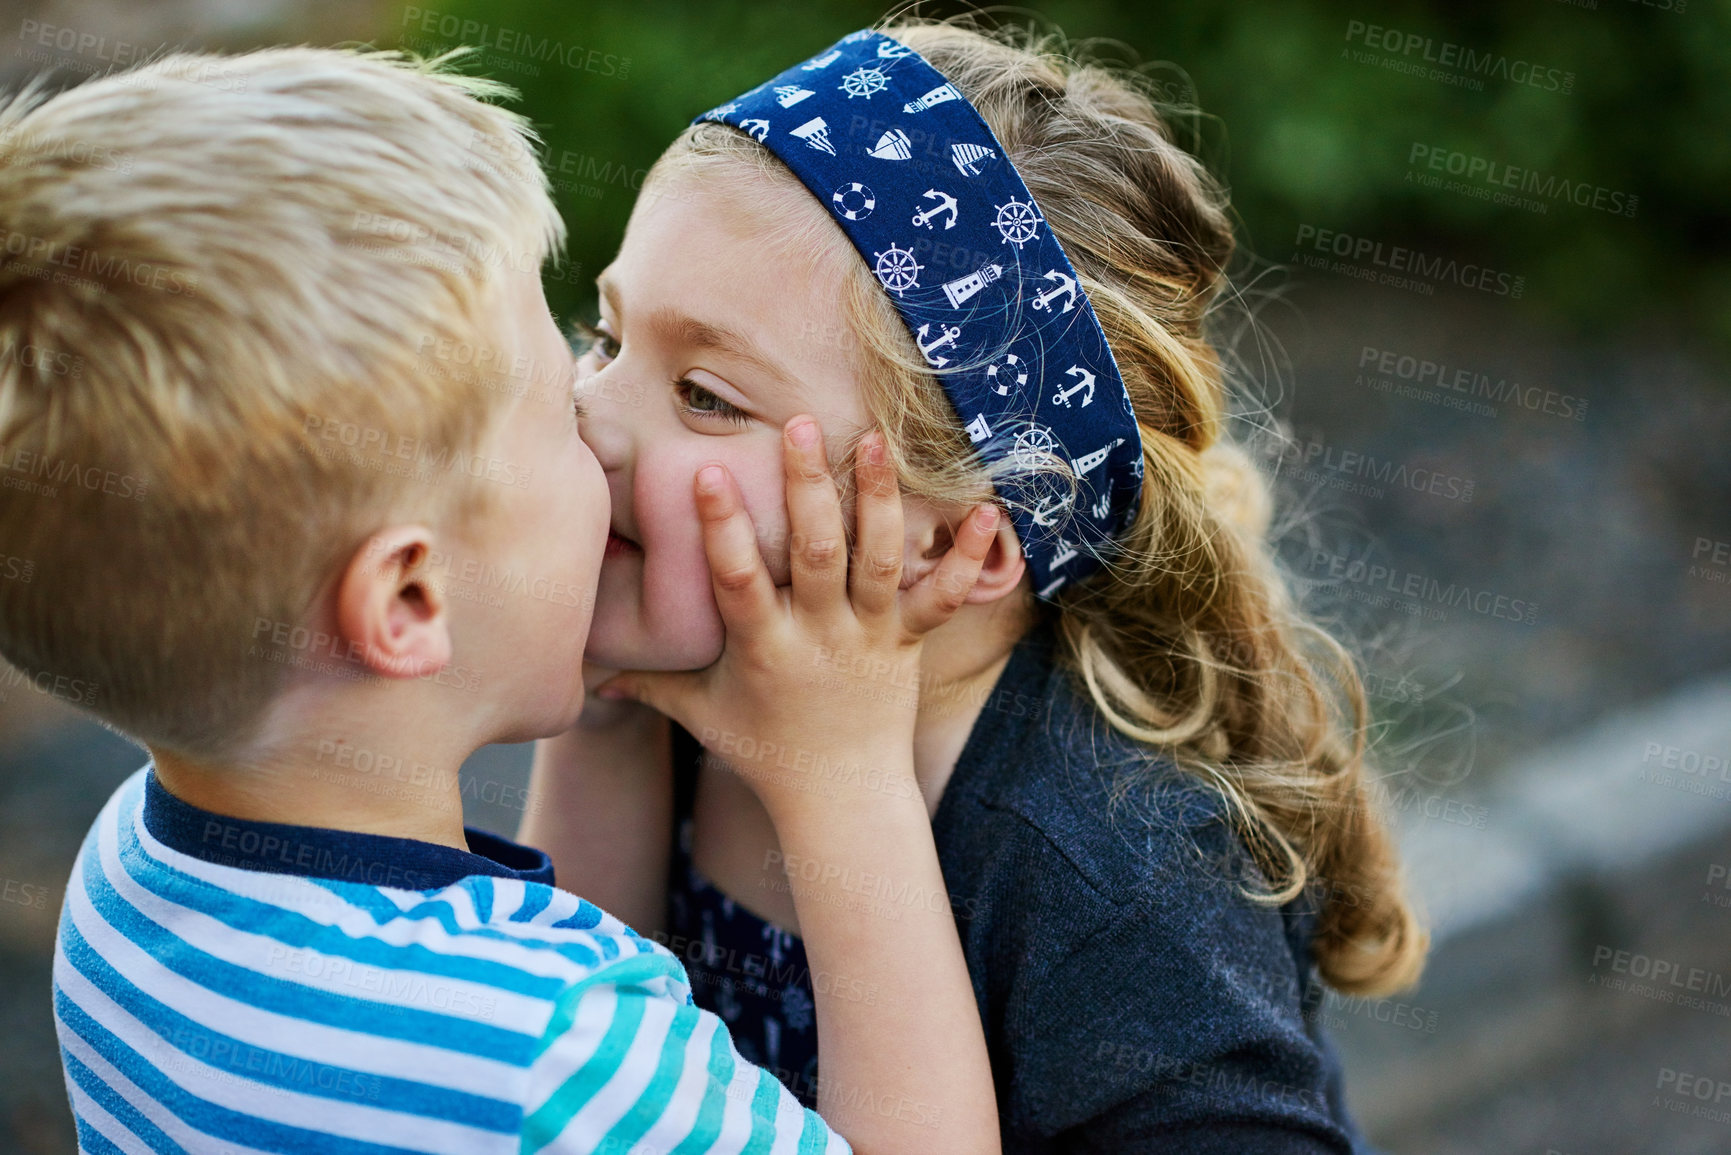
x=228, y=286
x=1190, y=643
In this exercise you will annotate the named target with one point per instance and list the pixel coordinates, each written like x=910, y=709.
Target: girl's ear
x=930, y=533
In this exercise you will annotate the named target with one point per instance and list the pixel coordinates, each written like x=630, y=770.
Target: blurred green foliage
x=1301, y=129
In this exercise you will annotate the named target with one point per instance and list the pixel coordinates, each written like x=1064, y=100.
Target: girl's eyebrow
x=688, y=332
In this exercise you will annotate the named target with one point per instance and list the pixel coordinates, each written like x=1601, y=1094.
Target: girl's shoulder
x=1101, y=893
x=1044, y=767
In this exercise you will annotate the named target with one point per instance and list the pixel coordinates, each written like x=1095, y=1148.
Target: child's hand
x=601, y=711
x=821, y=677
x=813, y=701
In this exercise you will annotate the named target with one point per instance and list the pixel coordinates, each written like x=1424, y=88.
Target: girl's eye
x=593, y=338
x=702, y=403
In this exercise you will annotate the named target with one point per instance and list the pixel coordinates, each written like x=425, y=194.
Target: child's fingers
x=673, y=693
x=817, y=546
x=743, y=589
x=938, y=595
x=878, y=539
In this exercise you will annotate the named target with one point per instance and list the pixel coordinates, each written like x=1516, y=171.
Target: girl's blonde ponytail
x=1190, y=641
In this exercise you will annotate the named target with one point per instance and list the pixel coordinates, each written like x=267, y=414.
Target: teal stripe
x=280, y=1069
x=657, y=1096
x=814, y=1140
x=644, y=968
x=249, y=914
x=763, y=1105
x=395, y=1019
x=550, y=1118
x=713, y=1112
x=110, y=1100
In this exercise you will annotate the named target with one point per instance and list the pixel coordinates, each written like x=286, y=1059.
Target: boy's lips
x=618, y=546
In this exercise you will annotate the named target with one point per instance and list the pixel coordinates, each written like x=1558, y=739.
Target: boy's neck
x=963, y=660
x=334, y=776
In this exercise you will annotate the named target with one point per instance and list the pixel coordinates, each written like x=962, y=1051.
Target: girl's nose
x=609, y=404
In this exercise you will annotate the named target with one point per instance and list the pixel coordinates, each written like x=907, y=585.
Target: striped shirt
x=231, y=986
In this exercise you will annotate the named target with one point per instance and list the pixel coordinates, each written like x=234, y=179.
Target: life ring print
x=854, y=201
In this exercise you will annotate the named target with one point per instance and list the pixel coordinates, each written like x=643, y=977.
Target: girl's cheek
x=759, y=477
x=666, y=509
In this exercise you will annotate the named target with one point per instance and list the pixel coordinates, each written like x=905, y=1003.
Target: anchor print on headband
x=1084, y=381
x=1066, y=288
x=947, y=337
x=946, y=204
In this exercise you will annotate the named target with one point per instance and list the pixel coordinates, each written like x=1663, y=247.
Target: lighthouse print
x=962, y=288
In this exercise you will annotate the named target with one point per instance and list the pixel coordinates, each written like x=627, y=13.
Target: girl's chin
x=626, y=634
x=632, y=650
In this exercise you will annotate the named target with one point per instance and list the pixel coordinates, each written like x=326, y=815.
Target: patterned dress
x=746, y=969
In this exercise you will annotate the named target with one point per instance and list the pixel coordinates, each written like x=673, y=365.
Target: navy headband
x=920, y=185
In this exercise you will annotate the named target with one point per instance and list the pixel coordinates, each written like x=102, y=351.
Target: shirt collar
x=344, y=855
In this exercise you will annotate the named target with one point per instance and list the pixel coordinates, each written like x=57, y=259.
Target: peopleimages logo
x=1378, y=474
x=1405, y=268
x=512, y=41
x=38, y=257
x=1424, y=373
x=1495, y=177
x=1375, y=583
x=1420, y=55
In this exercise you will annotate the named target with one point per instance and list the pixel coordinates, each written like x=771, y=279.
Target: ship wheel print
x=864, y=81
x=897, y=269
x=1035, y=448
x=1018, y=222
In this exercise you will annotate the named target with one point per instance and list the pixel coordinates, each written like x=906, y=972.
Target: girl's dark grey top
x=1133, y=998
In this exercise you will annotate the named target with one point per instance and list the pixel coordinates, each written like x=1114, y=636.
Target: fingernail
x=804, y=434
x=987, y=516
x=876, y=454
x=709, y=479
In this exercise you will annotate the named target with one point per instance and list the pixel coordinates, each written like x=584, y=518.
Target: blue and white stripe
x=206, y=1008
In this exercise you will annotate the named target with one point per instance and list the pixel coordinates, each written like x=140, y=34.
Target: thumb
x=674, y=693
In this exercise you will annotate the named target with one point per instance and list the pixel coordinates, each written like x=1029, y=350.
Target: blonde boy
x=290, y=447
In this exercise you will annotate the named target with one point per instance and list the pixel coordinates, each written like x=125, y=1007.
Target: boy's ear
x=930, y=533
x=389, y=611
